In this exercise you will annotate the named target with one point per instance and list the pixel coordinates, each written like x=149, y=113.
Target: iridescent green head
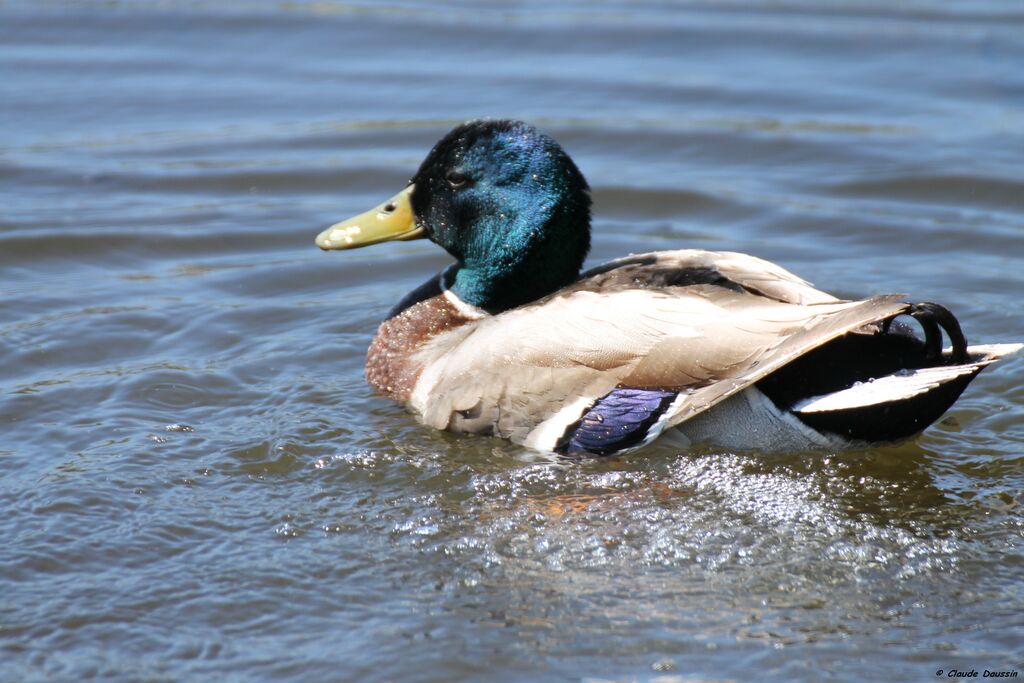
x=502, y=198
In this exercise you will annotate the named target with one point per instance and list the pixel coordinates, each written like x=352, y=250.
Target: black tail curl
x=934, y=319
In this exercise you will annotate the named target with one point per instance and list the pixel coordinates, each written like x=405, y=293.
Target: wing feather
x=527, y=373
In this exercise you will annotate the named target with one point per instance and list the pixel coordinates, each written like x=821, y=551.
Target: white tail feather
x=904, y=385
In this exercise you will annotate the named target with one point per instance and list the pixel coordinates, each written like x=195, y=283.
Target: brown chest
x=391, y=364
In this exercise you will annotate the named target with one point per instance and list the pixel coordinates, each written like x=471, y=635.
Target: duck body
x=716, y=348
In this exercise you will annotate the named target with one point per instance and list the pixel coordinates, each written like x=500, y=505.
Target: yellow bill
x=392, y=220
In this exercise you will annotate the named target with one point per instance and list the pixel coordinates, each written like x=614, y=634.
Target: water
x=197, y=484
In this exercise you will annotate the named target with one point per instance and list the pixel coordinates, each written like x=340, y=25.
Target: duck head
x=503, y=199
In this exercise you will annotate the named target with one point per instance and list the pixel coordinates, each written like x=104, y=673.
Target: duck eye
x=456, y=178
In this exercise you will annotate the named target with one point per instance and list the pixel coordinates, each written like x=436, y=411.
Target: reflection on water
x=198, y=484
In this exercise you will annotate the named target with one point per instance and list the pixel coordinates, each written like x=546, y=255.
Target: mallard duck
x=717, y=348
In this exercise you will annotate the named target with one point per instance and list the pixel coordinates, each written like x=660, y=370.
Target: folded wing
x=701, y=325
